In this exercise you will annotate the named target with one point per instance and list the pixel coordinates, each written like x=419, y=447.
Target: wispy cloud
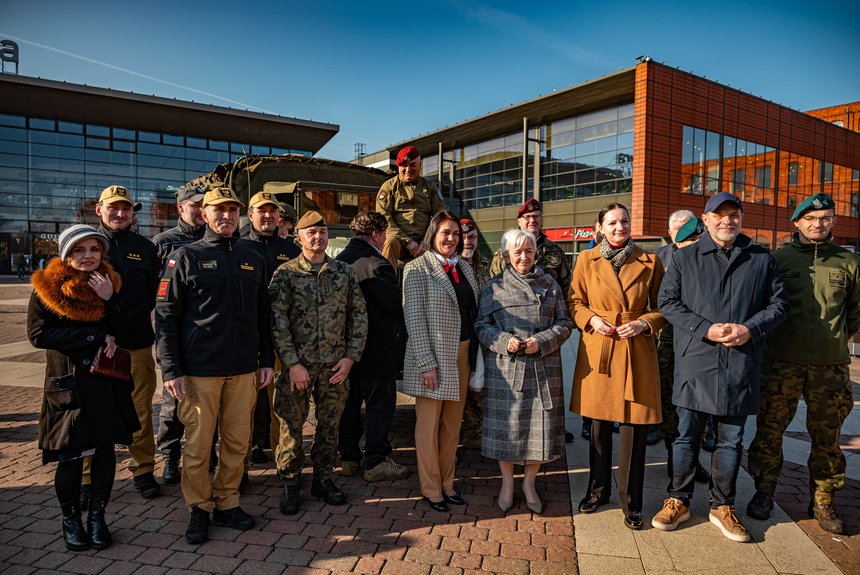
x=134, y=73
x=515, y=26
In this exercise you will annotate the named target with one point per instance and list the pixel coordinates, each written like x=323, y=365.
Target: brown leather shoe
x=827, y=517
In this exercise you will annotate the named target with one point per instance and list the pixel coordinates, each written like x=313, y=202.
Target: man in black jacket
x=213, y=335
x=264, y=214
x=134, y=257
x=189, y=228
x=372, y=379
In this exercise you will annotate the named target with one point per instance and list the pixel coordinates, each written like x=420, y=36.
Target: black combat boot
x=171, y=473
x=326, y=489
x=73, y=528
x=290, y=500
x=100, y=537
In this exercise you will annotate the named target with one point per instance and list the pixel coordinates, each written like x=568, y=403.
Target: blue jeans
x=725, y=461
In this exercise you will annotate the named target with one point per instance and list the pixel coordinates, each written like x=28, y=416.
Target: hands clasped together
x=624, y=331
x=728, y=334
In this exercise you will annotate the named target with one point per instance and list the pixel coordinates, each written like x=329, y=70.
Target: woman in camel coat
x=613, y=300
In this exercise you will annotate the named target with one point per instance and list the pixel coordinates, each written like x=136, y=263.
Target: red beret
x=467, y=225
x=530, y=206
x=407, y=154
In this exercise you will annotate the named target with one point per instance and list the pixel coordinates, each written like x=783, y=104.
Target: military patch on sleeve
x=171, y=264
x=380, y=196
x=163, y=290
x=209, y=265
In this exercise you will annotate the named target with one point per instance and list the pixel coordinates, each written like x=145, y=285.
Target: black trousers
x=170, y=429
x=67, y=477
x=380, y=399
x=631, y=463
x=262, y=422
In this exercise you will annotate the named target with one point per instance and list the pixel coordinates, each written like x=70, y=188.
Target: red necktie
x=452, y=269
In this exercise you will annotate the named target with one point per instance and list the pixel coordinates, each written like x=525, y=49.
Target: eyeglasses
x=820, y=219
x=532, y=217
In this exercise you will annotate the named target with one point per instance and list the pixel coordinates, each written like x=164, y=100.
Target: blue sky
x=387, y=71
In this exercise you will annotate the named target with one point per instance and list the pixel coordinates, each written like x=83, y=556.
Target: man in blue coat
x=722, y=295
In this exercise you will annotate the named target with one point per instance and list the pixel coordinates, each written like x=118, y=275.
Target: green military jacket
x=822, y=282
x=408, y=207
x=551, y=259
x=317, y=317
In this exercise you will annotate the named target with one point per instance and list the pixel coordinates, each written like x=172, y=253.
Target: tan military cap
x=263, y=198
x=288, y=213
x=113, y=194
x=220, y=196
x=310, y=219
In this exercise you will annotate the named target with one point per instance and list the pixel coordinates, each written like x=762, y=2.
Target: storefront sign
x=581, y=234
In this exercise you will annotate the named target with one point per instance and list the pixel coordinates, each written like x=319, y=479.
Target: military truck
x=337, y=190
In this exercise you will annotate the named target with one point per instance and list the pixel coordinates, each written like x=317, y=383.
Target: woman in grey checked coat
x=440, y=296
x=522, y=323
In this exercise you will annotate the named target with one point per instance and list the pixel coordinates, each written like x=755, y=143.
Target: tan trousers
x=207, y=398
x=275, y=425
x=142, y=448
x=437, y=432
x=391, y=249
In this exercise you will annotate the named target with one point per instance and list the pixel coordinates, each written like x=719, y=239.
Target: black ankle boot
x=73, y=529
x=99, y=534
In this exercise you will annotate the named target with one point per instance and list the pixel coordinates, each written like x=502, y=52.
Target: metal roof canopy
x=39, y=98
x=611, y=90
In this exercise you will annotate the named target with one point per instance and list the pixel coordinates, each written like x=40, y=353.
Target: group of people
x=252, y=329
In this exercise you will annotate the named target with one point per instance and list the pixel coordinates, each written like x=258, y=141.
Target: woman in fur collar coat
x=73, y=311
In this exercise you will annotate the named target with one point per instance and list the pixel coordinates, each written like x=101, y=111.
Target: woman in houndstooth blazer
x=440, y=301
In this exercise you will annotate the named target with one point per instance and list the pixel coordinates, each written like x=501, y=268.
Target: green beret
x=310, y=219
x=691, y=228
x=816, y=202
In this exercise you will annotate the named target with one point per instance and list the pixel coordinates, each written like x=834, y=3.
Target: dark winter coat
x=386, y=336
x=135, y=259
x=702, y=287
x=67, y=319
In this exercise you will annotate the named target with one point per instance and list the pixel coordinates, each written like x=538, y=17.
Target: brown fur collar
x=63, y=292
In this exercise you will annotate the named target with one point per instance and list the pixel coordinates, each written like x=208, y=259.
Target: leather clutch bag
x=117, y=367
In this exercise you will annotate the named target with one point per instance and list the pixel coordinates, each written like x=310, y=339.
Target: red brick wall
x=668, y=99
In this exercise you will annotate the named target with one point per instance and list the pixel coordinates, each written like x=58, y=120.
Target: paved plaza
x=386, y=528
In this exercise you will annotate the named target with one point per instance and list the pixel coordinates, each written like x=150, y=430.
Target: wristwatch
x=645, y=328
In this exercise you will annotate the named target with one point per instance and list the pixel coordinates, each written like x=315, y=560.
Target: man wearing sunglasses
x=808, y=355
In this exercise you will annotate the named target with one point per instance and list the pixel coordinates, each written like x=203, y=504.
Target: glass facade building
x=52, y=171
x=580, y=156
x=654, y=138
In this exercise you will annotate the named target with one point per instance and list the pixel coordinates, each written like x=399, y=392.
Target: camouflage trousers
x=473, y=416
x=666, y=363
x=828, y=396
x=292, y=408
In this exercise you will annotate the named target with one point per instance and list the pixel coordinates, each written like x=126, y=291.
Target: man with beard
x=407, y=201
x=723, y=295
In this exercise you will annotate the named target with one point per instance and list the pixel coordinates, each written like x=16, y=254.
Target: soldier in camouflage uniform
x=808, y=355
x=319, y=325
x=550, y=257
x=407, y=201
x=473, y=414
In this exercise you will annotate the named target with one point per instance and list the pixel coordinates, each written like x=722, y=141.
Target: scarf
x=450, y=265
x=616, y=256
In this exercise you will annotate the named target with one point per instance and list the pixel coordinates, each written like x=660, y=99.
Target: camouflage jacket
x=408, y=207
x=481, y=267
x=317, y=317
x=551, y=259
